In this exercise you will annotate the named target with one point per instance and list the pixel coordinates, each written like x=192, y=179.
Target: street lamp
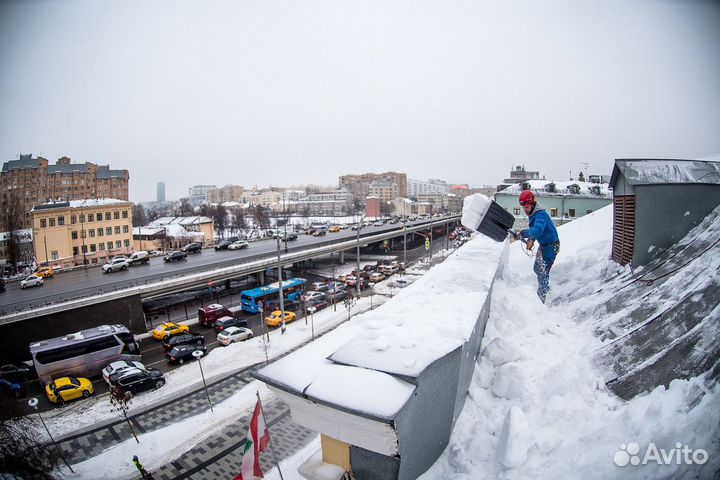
x=197, y=354
x=33, y=402
x=312, y=310
x=280, y=284
x=357, y=259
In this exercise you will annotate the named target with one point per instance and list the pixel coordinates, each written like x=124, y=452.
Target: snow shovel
x=487, y=217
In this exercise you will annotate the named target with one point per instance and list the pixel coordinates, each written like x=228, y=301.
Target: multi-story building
x=518, y=175
x=198, y=194
x=564, y=201
x=168, y=233
x=26, y=253
x=384, y=190
x=402, y=207
x=33, y=181
x=417, y=187
x=160, y=192
x=359, y=185
x=228, y=193
x=372, y=207
x=335, y=203
x=81, y=231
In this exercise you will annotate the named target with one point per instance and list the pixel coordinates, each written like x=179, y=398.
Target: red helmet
x=527, y=197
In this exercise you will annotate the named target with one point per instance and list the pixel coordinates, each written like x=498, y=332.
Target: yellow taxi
x=334, y=229
x=45, y=272
x=275, y=318
x=168, y=329
x=65, y=389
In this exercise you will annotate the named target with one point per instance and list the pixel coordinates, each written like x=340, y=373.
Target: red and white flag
x=257, y=441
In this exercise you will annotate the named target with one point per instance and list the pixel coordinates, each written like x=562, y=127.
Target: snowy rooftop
x=162, y=221
x=372, y=354
x=88, y=202
x=652, y=171
x=561, y=188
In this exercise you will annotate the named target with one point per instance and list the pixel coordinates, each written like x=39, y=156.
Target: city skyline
x=271, y=93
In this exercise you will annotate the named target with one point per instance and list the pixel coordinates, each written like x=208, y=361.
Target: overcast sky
x=275, y=92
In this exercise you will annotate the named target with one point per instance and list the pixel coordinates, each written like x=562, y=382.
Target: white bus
x=84, y=353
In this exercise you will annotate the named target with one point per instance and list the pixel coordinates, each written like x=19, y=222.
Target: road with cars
x=87, y=281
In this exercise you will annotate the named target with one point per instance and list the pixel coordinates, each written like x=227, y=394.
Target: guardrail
x=250, y=265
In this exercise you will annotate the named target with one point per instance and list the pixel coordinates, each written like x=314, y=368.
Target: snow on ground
x=537, y=408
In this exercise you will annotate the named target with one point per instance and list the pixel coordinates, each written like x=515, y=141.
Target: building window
x=84, y=249
x=126, y=229
x=117, y=230
x=61, y=220
x=73, y=219
x=83, y=233
x=54, y=255
x=125, y=214
x=100, y=232
x=588, y=212
x=73, y=235
x=92, y=233
x=572, y=213
x=127, y=243
x=92, y=247
x=99, y=217
x=91, y=217
x=52, y=221
x=553, y=212
x=76, y=251
x=82, y=218
x=118, y=244
x=101, y=247
x=43, y=223
x=109, y=245
x=116, y=215
x=108, y=230
x=516, y=211
x=107, y=215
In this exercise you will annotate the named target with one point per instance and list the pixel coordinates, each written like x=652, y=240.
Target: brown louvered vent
x=623, y=228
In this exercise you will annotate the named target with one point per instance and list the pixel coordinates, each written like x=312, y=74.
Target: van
x=139, y=257
x=209, y=313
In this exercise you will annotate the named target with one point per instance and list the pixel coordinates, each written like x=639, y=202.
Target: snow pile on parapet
x=539, y=406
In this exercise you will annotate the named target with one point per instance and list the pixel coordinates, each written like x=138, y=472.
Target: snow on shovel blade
x=487, y=217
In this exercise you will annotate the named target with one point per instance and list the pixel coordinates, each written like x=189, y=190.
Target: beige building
x=81, y=231
x=384, y=190
x=170, y=233
x=33, y=181
x=359, y=185
x=228, y=193
x=402, y=207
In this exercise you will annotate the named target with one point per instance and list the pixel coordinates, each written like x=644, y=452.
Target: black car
x=225, y=322
x=289, y=237
x=15, y=373
x=290, y=305
x=174, y=256
x=194, y=247
x=224, y=244
x=336, y=295
x=183, y=353
x=319, y=233
x=135, y=380
x=317, y=304
x=183, y=339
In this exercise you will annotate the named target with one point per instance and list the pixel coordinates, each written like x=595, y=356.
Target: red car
x=209, y=313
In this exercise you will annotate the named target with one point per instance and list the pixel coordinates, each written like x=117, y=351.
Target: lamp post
x=357, y=259
x=46, y=255
x=197, y=354
x=311, y=311
x=280, y=285
x=33, y=402
x=82, y=236
x=404, y=242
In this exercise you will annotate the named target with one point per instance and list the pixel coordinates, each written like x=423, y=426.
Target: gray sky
x=281, y=92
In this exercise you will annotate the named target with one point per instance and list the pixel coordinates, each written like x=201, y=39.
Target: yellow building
x=81, y=231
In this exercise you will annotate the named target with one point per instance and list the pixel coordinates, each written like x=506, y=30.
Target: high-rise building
x=160, y=192
x=417, y=187
x=198, y=194
x=359, y=185
x=32, y=181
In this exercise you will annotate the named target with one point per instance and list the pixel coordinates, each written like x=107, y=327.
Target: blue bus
x=292, y=289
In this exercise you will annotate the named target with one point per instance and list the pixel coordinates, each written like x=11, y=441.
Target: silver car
x=32, y=281
x=238, y=245
x=116, y=264
x=119, y=366
x=234, y=334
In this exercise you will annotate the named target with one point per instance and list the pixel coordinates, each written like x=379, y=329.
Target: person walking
x=541, y=229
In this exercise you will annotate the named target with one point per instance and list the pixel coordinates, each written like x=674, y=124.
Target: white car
x=119, y=366
x=32, y=281
x=311, y=296
x=238, y=245
x=115, y=265
x=377, y=277
x=234, y=334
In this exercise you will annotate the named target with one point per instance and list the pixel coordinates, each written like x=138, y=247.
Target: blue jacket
x=542, y=229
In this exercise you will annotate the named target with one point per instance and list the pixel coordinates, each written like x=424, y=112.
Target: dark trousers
x=543, y=263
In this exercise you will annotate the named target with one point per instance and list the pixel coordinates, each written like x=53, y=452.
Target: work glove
x=518, y=235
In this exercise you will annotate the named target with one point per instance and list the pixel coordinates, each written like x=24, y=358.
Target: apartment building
x=33, y=181
x=418, y=187
x=198, y=194
x=228, y=193
x=384, y=190
x=359, y=185
x=339, y=202
x=81, y=232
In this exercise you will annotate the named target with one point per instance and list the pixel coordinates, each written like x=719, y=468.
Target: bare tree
x=219, y=216
x=260, y=216
x=350, y=301
x=120, y=403
x=21, y=453
x=185, y=209
x=139, y=218
x=13, y=218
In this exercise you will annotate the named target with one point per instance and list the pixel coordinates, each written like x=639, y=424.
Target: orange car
x=45, y=272
x=275, y=318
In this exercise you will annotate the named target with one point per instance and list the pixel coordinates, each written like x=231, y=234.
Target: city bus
x=84, y=353
x=292, y=289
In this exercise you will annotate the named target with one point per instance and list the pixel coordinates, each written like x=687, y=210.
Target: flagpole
x=272, y=448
